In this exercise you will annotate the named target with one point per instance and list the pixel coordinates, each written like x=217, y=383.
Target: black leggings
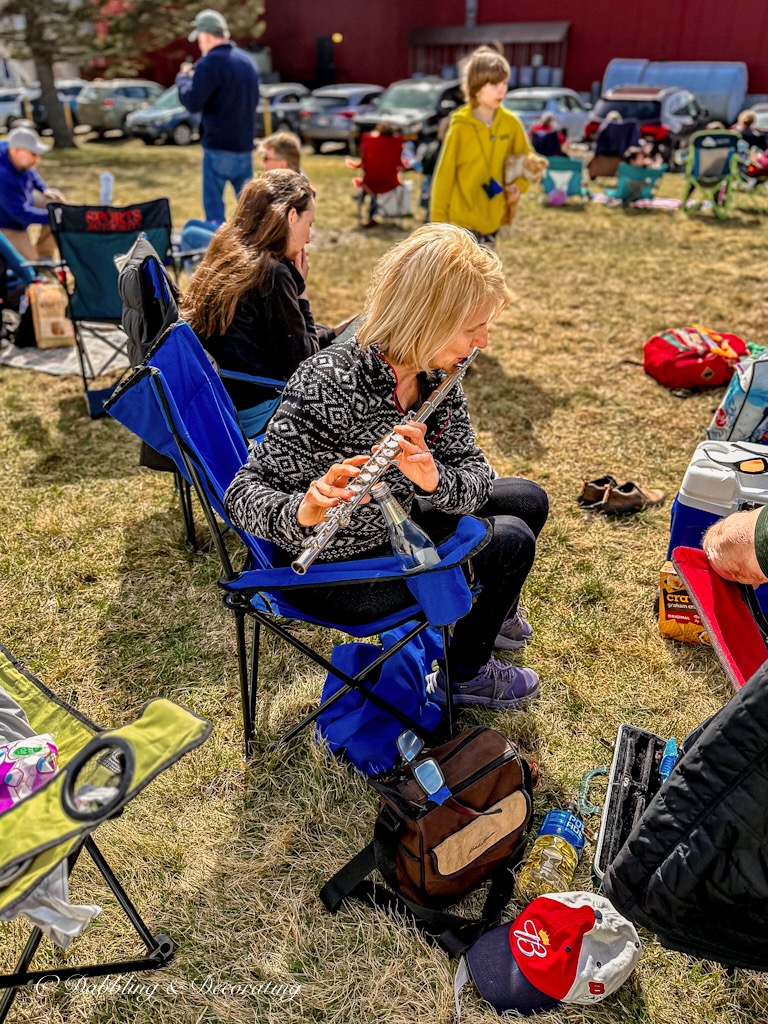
x=517, y=511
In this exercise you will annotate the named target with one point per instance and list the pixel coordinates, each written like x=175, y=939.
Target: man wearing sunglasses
x=737, y=547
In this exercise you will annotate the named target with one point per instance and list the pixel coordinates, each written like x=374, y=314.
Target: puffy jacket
x=149, y=299
x=471, y=154
x=694, y=869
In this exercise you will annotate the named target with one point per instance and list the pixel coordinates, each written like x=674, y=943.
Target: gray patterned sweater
x=339, y=403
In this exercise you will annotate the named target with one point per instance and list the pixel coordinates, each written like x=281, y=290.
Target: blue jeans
x=219, y=167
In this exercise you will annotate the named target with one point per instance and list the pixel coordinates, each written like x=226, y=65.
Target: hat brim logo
x=531, y=942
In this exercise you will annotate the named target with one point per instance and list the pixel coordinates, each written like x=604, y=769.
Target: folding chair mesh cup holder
x=712, y=168
x=89, y=238
x=51, y=826
x=636, y=183
x=177, y=404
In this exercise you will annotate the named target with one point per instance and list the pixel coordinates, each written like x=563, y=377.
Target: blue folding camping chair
x=89, y=238
x=177, y=404
x=149, y=307
x=635, y=183
x=562, y=181
x=712, y=168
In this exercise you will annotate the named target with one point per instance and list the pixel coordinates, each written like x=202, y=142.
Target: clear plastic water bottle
x=410, y=544
x=106, y=184
x=551, y=864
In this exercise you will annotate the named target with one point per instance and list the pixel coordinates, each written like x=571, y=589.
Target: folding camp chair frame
x=160, y=948
x=248, y=660
x=255, y=591
x=99, y=326
x=639, y=182
x=718, y=190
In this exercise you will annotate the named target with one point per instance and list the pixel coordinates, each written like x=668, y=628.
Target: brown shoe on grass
x=627, y=499
x=593, y=491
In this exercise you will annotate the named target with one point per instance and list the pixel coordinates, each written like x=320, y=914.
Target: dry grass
x=104, y=602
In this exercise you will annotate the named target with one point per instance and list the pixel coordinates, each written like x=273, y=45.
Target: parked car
x=414, y=106
x=106, y=104
x=67, y=89
x=164, y=120
x=11, y=106
x=327, y=115
x=667, y=116
x=285, y=99
x=567, y=107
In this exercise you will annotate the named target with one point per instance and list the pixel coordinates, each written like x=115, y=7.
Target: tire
x=147, y=140
x=353, y=147
x=182, y=134
x=317, y=144
x=285, y=126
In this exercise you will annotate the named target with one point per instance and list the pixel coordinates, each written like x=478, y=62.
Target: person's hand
x=329, y=490
x=415, y=461
x=186, y=68
x=730, y=547
x=302, y=263
x=54, y=196
x=512, y=193
x=340, y=328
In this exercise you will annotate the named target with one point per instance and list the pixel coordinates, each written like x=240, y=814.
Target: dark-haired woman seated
x=430, y=303
x=247, y=301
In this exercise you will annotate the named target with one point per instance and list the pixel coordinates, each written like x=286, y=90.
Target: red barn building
x=383, y=40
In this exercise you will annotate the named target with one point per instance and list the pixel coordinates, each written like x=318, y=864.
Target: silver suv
x=106, y=104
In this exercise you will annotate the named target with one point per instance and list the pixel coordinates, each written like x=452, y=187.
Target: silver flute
x=371, y=472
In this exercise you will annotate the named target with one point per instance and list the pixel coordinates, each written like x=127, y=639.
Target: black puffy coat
x=694, y=870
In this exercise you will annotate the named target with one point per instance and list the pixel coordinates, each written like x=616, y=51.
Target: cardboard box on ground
x=49, y=315
x=678, y=619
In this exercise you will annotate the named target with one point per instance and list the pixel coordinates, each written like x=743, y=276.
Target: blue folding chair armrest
x=471, y=535
x=278, y=385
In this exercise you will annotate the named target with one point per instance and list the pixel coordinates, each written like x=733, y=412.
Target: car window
x=574, y=104
x=562, y=103
x=369, y=97
x=640, y=110
x=168, y=100
x=524, y=104
x=411, y=96
x=91, y=93
x=290, y=97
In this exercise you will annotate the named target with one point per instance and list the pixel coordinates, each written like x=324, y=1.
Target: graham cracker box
x=678, y=619
x=53, y=329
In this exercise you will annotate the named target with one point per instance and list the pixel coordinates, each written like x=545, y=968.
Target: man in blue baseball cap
x=24, y=195
x=224, y=88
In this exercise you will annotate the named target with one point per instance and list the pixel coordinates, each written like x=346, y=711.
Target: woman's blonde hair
x=481, y=67
x=425, y=290
x=244, y=250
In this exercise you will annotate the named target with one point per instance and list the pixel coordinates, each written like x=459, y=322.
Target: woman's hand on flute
x=329, y=490
x=416, y=460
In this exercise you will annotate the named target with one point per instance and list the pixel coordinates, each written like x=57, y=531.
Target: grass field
x=103, y=600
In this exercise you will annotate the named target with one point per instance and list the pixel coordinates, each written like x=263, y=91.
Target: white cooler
x=713, y=487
